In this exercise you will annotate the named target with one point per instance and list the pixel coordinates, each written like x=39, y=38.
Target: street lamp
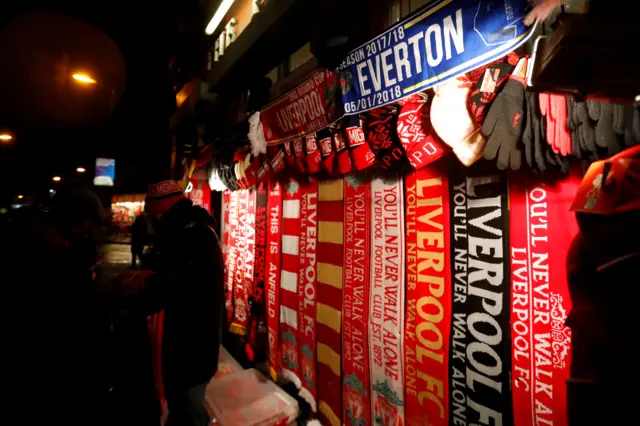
x=83, y=78
x=6, y=137
x=81, y=170
x=57, y=178
x=20, y=197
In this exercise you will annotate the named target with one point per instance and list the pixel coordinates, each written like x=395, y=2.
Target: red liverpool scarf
x=307, y=289
x=542, y=228
x=329, y=305
x=428, y=318
x=289, y=283
x=255, y=349
x=479, y=362
x=230, y=249
x=355, y=330
x=386, y=319
x=240, y=308
x=272, y=284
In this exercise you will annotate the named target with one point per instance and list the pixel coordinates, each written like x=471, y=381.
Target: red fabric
x=232, y=250
x=428, y=318
x=355, y=328
x=554, y=109
x=416, y=135
x=244, y=267
x=277, y=159
x=299, y=152
x=327, y=152
x=290, y=156
x=314, y=158
x=542, y=228
x=307, y=290
x=344, y=161
x=272, y=265
x=361, y=154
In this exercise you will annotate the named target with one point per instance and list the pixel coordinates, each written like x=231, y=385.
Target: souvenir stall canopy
x=124, y=209
x=395, y=231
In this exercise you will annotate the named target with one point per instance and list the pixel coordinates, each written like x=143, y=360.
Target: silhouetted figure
x=187, y=282
x=139, y=235
x=56, y=326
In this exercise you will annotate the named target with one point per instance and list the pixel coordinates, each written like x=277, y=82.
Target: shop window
x=300, y=57
x=273, y=75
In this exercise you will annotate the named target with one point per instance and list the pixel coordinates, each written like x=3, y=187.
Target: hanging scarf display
x=272, y=265
x=289, y=283
x=428, y=316
x=230, y=251
x=355, y=333
x=307, y=289
x=245, y=264
x=257, y=324
x=240, y=303
x=479, y=361
x=386, y=321
x=542, y=228
x=329, y=305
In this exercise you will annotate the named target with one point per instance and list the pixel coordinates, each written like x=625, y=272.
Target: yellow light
x=81, y=170
x=83, y=78
x=57, y=178
x=5, y=137
x=217, y=17
x=20, y=197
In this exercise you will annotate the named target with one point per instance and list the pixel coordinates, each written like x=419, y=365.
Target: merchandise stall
x=124, y=209
x=395, y=232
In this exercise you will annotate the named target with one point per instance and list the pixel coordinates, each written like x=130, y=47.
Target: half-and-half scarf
x=240, y=300
x=542, y=229
x=329, y=305
x=355, y=326
x=386, y=313
x=428, y=315
x=231, y=251
x=289, y=338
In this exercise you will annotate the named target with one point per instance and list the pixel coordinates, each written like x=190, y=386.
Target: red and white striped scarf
x=355, y=331
x=240, y=302
x=231, y=251
x=256, y=348
x=329, y=305
x=386, y=327
x=307, y=289
x=289, y=338
x=542, y=228
x=272, y=265
x=428, y=316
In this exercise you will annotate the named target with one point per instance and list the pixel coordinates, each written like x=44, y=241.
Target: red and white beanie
x=162, y=196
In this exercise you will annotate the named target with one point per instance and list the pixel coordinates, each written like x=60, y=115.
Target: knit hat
x=162, y=196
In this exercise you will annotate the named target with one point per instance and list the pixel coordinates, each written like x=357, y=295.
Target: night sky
x=59, y=125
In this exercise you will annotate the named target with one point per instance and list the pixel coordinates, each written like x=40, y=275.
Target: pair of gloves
x=602, y=128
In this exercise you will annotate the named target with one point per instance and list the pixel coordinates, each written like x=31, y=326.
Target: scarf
x=386, y=319
x=230, y=249
x=307, y=289
x=289, y=346
x=272, y=264
x=329, y=305
x=255, y=348
x=240, y=303
x=479, y=361
x=428, y=318
x=355, y=333
x=541, y=231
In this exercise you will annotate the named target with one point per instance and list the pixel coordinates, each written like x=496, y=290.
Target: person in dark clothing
x=187, y=282
x=54, y=324
x=138, y=238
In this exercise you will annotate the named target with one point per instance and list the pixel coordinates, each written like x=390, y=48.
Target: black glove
x=585, y=130
x=572, y=125
x=632, y=125
x=533, y=136
x=603, y=114
x=504, y=126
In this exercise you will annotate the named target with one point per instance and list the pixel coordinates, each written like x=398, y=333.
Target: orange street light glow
x=83, y=78
x=20, y=197
x=5, y=137
x=81, y=170
x=57, y=178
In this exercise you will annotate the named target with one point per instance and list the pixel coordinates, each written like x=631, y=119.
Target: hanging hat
x=162, y=196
